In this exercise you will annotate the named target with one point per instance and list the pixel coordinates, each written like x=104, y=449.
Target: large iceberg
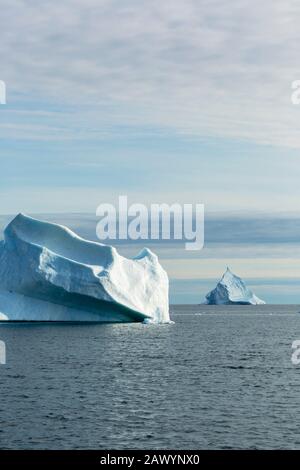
x=232, y=290
x=48, y=273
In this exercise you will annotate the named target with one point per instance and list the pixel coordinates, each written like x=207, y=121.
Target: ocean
x=218, y=378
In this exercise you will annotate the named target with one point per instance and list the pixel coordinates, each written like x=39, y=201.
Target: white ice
x=48, y=273
x=232, y=290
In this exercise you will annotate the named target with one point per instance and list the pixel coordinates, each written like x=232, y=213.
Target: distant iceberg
x=48, y=273
x=232, y=290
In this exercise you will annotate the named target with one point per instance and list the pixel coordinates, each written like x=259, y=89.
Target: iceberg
x=232, y=290
x=48, y=273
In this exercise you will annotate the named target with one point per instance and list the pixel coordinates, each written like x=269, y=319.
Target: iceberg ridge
x=48, y=273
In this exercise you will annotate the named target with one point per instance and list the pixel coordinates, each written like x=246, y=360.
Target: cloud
x=197, y=68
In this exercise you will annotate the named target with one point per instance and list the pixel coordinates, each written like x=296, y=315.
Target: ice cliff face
x=42, y=264
x=232, y=290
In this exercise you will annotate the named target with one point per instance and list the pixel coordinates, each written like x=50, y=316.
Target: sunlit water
x=217, y=378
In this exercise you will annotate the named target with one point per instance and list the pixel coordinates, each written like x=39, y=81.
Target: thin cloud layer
x=196, y=68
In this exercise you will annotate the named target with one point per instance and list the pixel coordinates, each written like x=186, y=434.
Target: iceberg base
x=18, y=307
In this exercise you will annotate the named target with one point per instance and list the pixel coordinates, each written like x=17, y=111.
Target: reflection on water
x=220, y=377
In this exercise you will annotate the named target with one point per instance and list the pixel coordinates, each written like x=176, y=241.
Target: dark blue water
x=221, y=379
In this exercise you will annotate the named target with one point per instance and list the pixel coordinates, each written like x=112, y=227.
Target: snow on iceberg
x=48, y=273
x=232, y=290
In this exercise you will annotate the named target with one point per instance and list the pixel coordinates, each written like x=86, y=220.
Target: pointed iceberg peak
x=231, y=289
x=228, y=276
x=228, y=272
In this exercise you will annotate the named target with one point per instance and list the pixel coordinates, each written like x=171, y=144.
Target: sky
x=177, y=101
